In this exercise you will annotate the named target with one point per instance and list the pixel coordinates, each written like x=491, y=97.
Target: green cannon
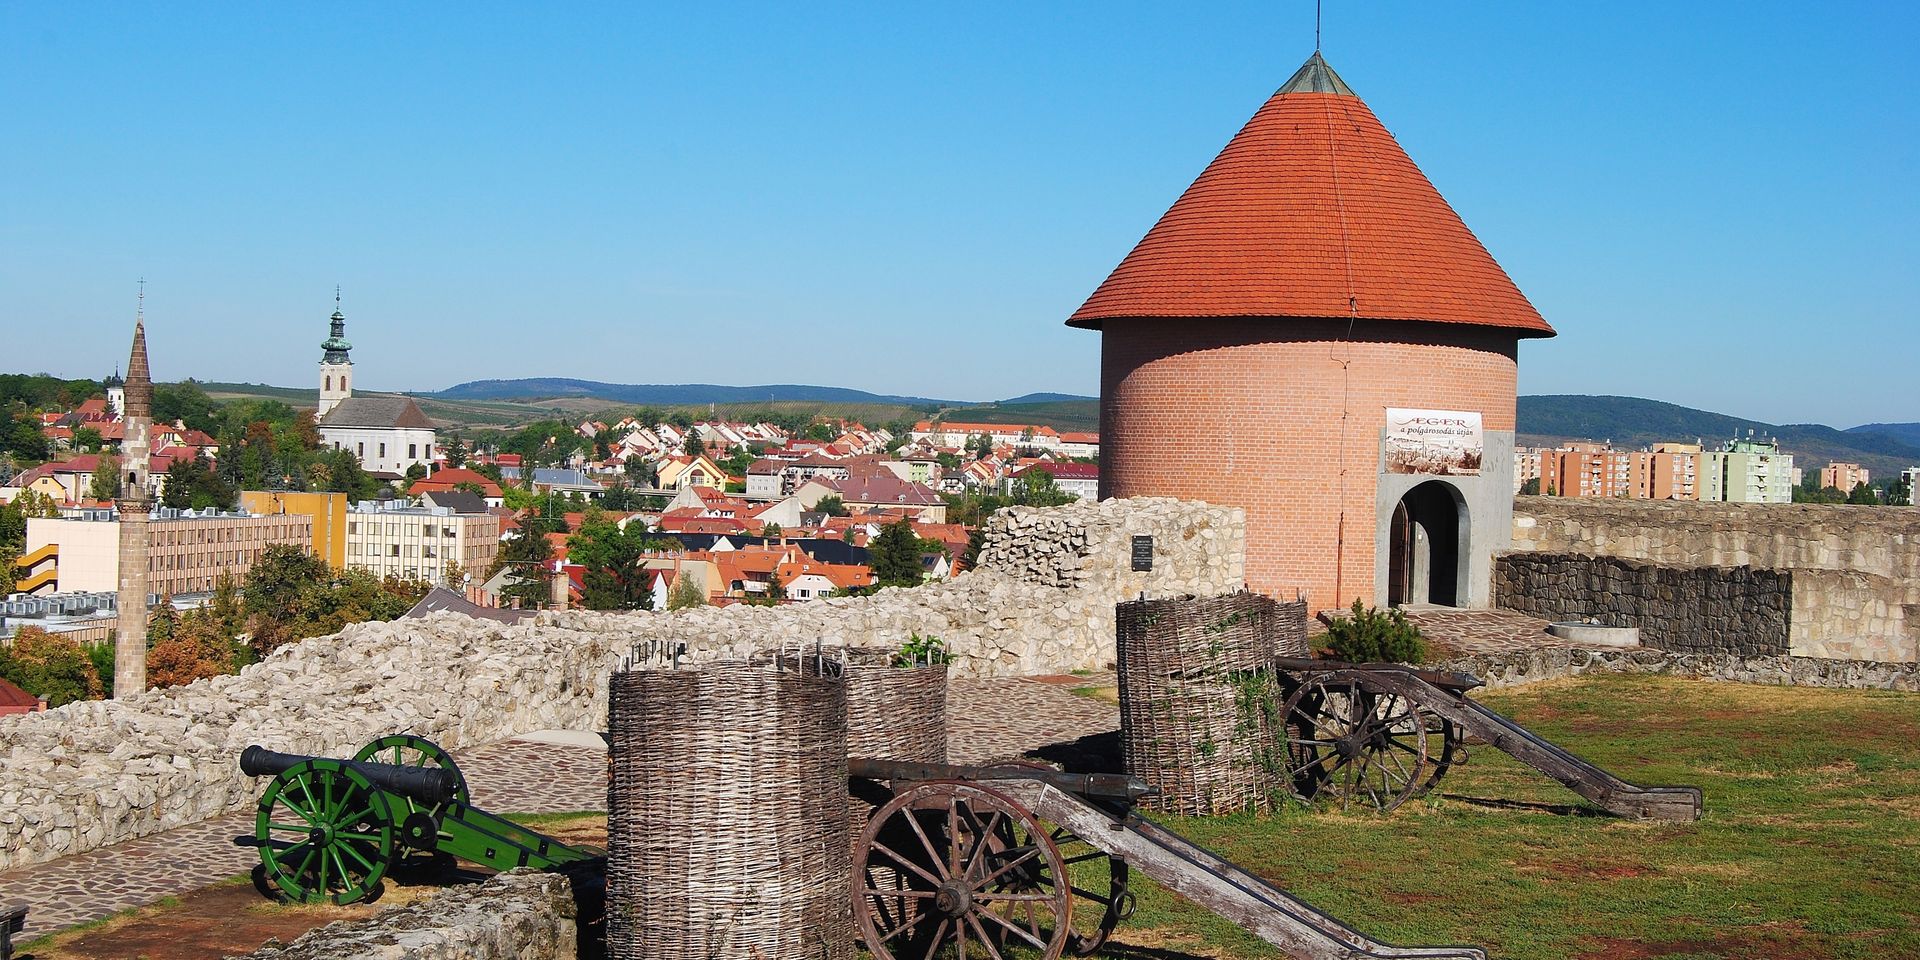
x=329, y=830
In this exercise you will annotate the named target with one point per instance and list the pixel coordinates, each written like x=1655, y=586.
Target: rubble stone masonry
x=95, y=773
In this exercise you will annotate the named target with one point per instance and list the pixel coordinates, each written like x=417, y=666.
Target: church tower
x=130, y=632
x=336, y=371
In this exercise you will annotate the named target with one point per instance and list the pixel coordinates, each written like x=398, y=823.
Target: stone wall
x=1855, y=571
x=1855, y=616
x=520, y=915
x=95, y=773
x=1521, y=667
x=1880, y=541
x=1735, y=610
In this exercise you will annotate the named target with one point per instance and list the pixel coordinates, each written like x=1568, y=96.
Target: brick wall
x=1249, y=413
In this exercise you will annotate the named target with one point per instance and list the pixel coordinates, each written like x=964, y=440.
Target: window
x=329, y=383
x=383, y=451
x=393, y=550
x=360, y=450
x=412, y=451
x=353, y=527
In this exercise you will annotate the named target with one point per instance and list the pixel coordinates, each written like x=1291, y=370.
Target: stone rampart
x=521, y=915
x=1521, y=667
x=1732, y=610
x=1879, y=541
x=95, y=773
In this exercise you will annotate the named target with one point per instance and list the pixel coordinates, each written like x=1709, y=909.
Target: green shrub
x=922, y=651
x=1375, y=636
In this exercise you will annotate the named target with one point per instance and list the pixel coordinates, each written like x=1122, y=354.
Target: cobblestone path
x=988, y=719
x=1459, y=633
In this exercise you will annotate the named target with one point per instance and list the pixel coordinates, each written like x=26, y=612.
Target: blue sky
x=1714, y=203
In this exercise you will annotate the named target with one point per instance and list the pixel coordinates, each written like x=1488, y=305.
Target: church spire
x=139, y=380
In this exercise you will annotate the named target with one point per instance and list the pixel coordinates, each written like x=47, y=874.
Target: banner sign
x=1439, y=442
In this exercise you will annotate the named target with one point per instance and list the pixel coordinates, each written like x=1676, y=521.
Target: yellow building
x=328, y=510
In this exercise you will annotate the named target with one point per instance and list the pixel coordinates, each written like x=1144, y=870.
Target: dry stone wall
x=95, y=773
x=1879, y=541
x=1521, y=667
x=520, y=915
x=1736, y=610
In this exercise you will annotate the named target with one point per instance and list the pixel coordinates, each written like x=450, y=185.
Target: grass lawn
x=1810, y=847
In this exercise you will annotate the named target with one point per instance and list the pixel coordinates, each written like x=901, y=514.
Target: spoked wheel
x=955, y=870
x=1101, y=883
x=325, y=834
x=1350, y=742
x=417, y=854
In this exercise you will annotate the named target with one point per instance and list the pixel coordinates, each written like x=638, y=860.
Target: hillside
x=1077, y=414
x=1632, y=422
x=1907, y=433
x=667, y=395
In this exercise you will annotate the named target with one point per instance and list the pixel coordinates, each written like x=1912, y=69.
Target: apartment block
x=1843, y=476
x=1668, y=471
x=328, y=510
x=1747, y=471
x=401, y=538
x=1526, y=466
x=188, y=551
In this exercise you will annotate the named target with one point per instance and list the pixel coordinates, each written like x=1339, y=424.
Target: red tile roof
x=12, y=696
x=1313, y=201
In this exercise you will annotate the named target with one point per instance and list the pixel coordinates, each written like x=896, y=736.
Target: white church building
x=388, y=434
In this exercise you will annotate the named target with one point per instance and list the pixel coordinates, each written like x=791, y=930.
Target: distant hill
x=1074, y=415
x=1048, y=398
x=1632, y=421
x=1907, y=433
x=663, y=395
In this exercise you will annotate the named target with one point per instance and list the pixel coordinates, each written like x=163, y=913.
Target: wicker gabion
x=726, y=812
x=895, y=712
x=1198, y=698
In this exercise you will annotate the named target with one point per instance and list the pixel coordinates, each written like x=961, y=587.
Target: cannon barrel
x=428, y=785
x=1084, y=784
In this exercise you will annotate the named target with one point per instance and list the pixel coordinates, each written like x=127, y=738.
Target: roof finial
x=140, y=308
x=1316, y=26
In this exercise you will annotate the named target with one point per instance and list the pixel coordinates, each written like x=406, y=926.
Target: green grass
x=1810, y=846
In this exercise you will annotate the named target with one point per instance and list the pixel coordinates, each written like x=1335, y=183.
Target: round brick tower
x=1312, y=334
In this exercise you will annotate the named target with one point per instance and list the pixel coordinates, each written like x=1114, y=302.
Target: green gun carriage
x=331, y=830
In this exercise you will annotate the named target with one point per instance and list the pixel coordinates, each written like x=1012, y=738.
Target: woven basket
x=895, y=713
x=726, y=814
x=1197, y=698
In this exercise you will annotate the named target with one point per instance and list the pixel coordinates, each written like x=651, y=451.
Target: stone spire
x=130, y=632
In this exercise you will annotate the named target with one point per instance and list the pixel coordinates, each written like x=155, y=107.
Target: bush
x=1375, y=636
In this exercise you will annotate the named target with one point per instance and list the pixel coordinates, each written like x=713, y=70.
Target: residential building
x=1747, y=471
x=448, y=478
x=808, y=579
x=187, y=551
x=875, y=491
x=1668, y=471
x=1080, y=444
x=1080, y=479
x=1911, y=477
x=399, y=538
x=328, y=511
x=1526, y=466
x=1843, y=476
x=675, y=472
x=1587, y=469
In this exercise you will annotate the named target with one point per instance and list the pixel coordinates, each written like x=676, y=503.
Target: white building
x=388, y=434
x=400, y=538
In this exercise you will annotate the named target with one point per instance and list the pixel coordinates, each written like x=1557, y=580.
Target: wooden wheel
x=1445, y=746
x=325, y=834
x=407, y=750
x=416, y=857
x=949, y=869
x=1350, y=742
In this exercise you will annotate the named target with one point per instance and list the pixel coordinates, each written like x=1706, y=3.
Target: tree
x=21, y=436
x=192, y=484
x=454, y=575
x=415, y=472
x=976, y=542
x=771, y=530
x=980, y=446
x=1531, y=488
x=831, y=505
x=1900, y=492
x=895, y=556
x=948, y=461
x=454, y=451
x=693, y=446
x=106, y=479
x=611, y=557
x=820, y=432
x=50, y=665
x=526, y=557
x=87, y=439
x=685, y=593
x=198, y=649
x=1863, y=495
x=1036, y=488
x=638, y=472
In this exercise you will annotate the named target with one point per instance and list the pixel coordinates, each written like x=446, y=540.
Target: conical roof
x=1311, y=207
x=139, y=398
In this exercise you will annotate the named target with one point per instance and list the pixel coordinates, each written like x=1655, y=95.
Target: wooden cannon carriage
x=1379, y=734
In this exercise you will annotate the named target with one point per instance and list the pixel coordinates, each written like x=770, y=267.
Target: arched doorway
x=1426, y=546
